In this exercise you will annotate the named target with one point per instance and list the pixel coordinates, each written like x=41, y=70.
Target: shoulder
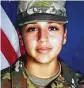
x=6, y=76
x=72, y=77
x=12, y=75
x=6, y=73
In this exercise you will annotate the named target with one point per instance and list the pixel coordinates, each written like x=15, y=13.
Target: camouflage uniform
x=15, y=77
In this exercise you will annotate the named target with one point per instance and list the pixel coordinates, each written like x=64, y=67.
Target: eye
x=53, y=28
x=31, y=29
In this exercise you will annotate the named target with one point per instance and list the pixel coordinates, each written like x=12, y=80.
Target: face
x=43, y=41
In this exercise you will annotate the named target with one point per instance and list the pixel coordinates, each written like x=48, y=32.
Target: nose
x=43, y=35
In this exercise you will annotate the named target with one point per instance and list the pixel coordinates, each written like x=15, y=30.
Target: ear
x=65, y=36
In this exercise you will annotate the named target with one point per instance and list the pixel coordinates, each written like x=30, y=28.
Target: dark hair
x=19, y=28
x=65, y=26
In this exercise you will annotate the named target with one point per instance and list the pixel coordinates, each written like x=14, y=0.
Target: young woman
x=43, y=33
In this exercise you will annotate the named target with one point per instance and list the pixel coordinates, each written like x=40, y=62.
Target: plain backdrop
x=73, y=51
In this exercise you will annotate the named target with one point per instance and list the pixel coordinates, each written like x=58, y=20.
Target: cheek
x=57, y=40
x=29, y=42
x=57, y=43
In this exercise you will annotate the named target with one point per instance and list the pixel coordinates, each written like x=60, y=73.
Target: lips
x=43, y=49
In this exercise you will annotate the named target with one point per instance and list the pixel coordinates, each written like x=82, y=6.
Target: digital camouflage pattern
x=40, y=6
x=15, y=77
x=41, y=10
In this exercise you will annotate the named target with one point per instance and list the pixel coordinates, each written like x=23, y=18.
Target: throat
x=42, y=82
x=43, y=70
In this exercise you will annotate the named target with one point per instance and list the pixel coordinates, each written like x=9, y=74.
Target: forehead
x=46, y=23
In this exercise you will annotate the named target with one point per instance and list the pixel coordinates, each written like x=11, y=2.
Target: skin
x=43, y=42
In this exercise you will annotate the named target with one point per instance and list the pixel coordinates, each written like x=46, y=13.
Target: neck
x=42, y=70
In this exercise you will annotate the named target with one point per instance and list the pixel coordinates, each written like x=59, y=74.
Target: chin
x=43, y=60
